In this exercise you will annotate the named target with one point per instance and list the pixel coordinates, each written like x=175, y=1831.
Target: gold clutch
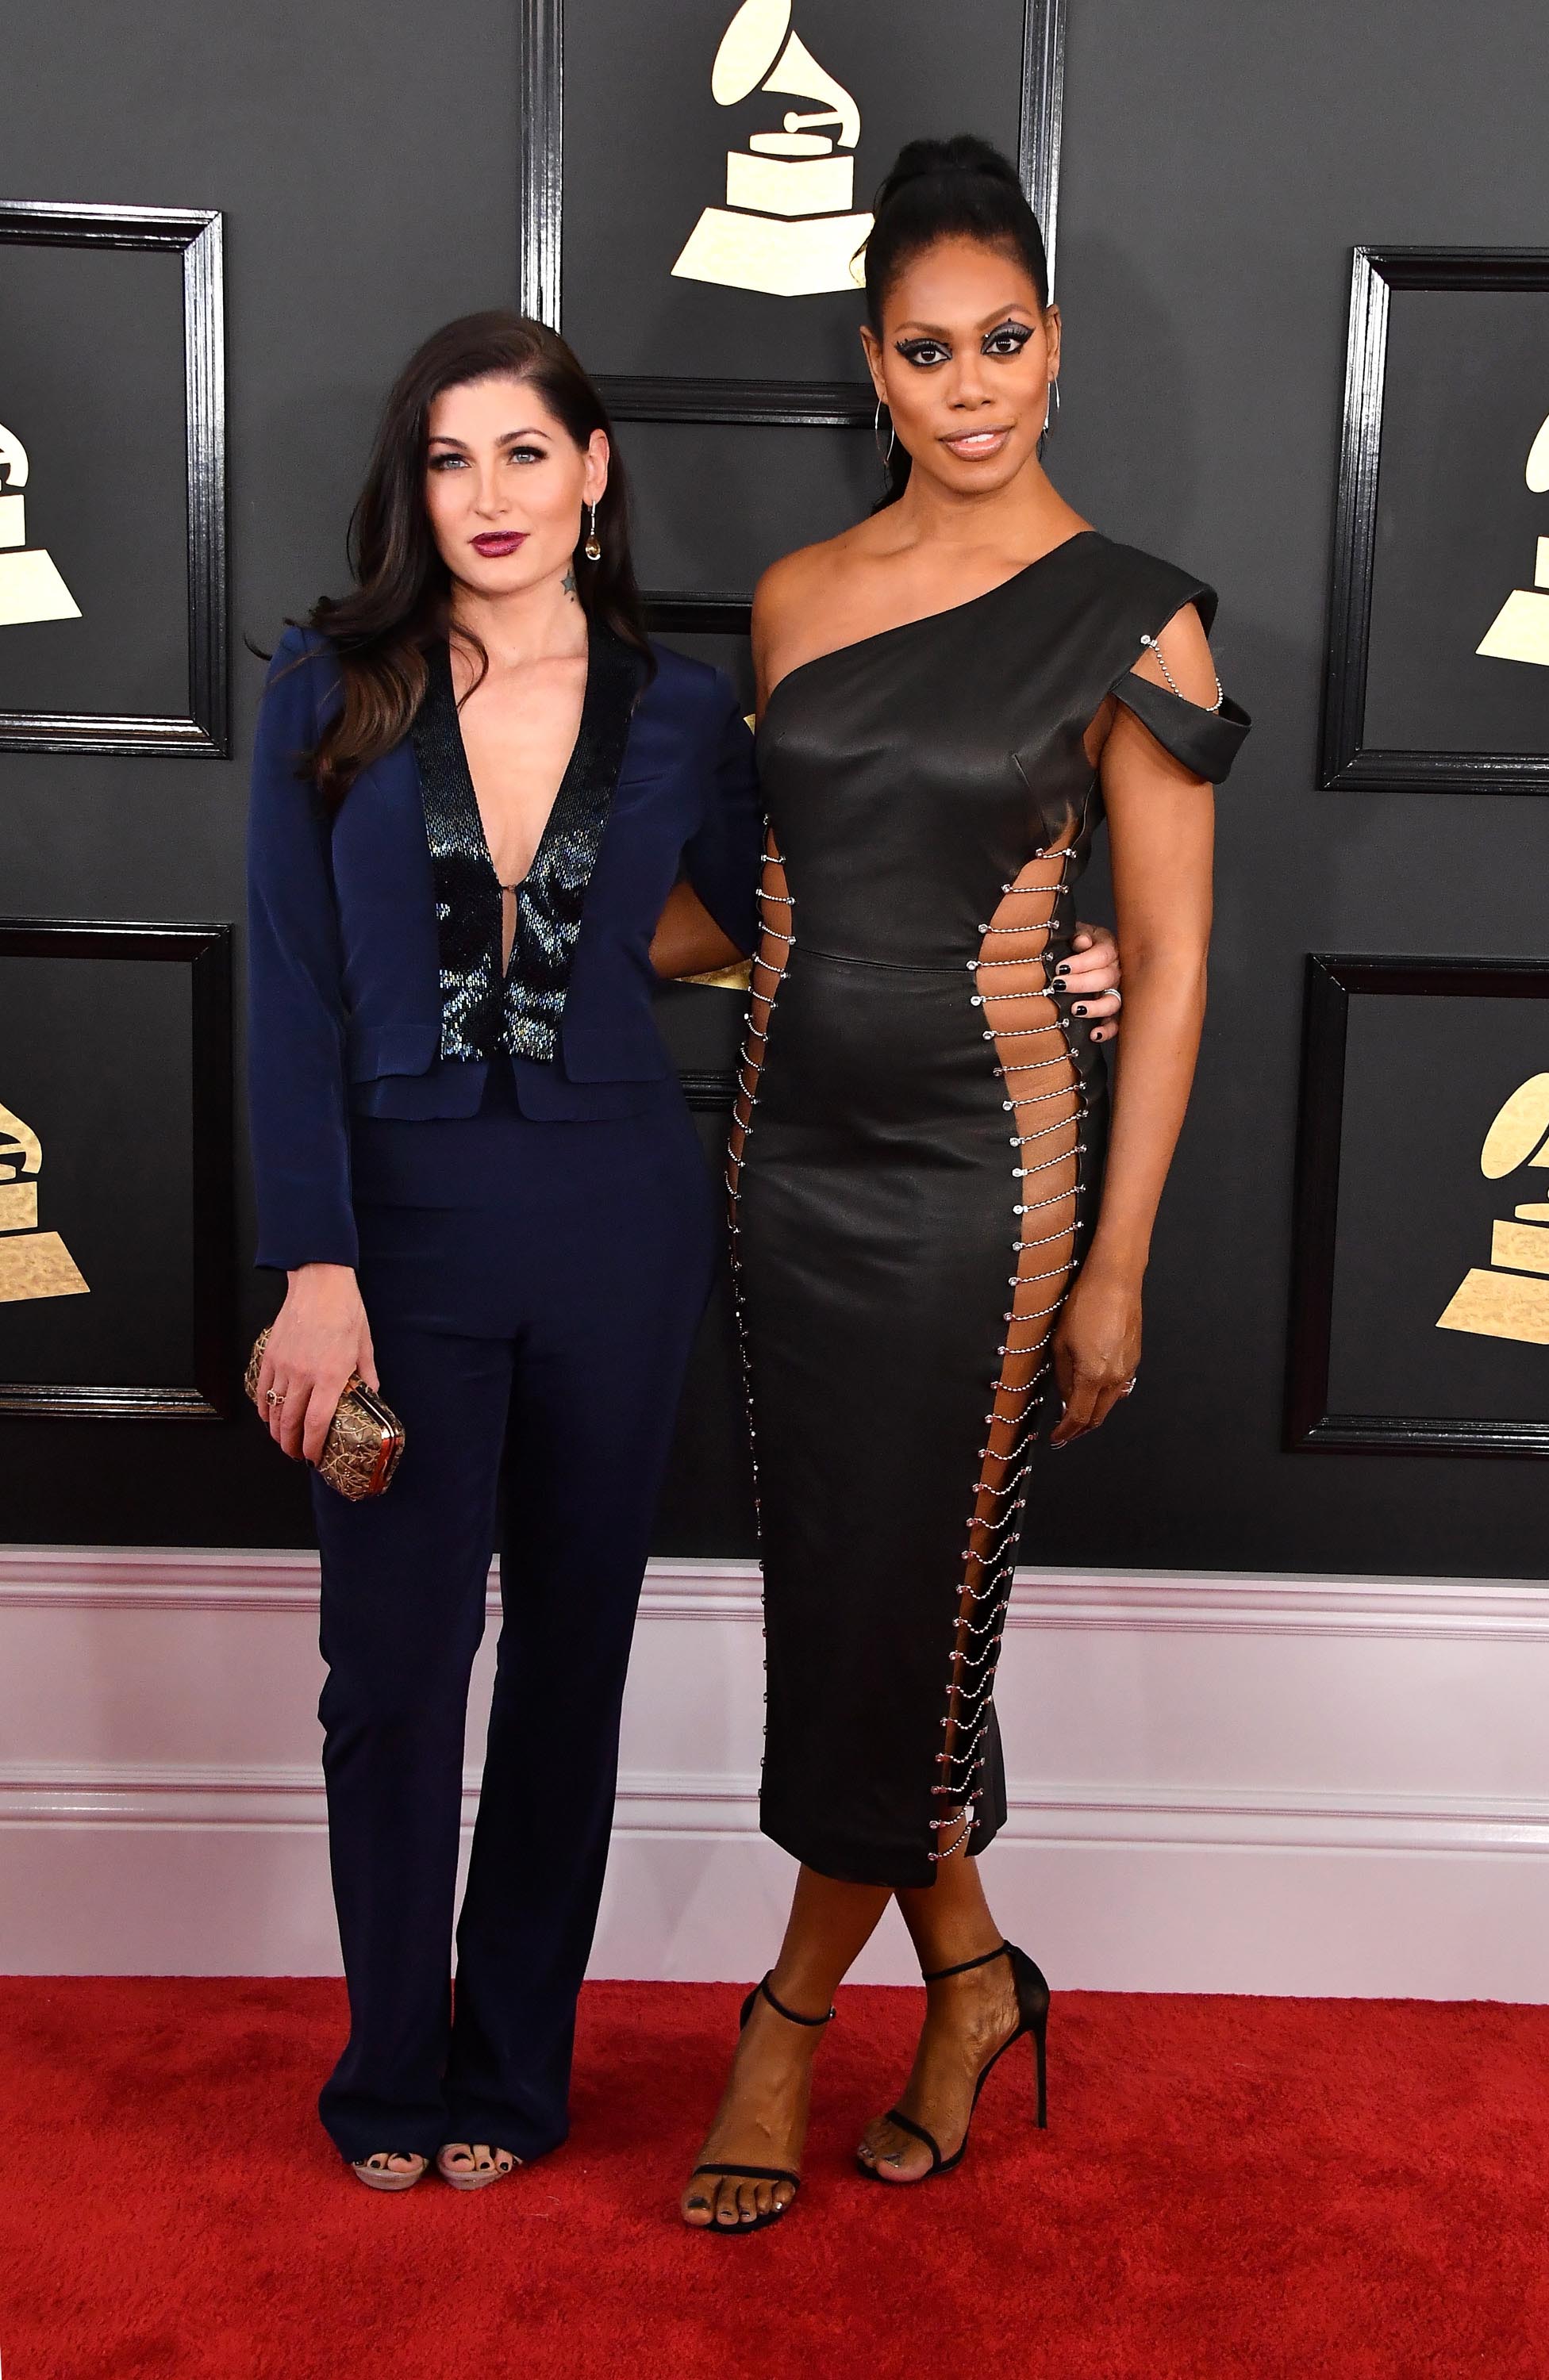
x=365, y=1436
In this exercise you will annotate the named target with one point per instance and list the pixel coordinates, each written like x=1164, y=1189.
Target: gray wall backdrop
x=1219, y=162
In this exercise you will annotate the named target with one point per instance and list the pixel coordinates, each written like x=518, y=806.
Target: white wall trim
x=1271, y=1783
x=1208, y=1603
x=655, y=1803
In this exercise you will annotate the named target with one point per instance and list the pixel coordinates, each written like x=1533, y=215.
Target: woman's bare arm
x=1161, y=828
x=687, y=941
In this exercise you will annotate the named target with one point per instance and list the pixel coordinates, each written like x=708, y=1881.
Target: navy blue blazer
x=349, y=1008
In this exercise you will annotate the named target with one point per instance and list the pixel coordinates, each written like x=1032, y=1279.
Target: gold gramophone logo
x=788, y=228
x=1511, y=1299
x=32, y=1263
x=30, y=587
x=1519, y=631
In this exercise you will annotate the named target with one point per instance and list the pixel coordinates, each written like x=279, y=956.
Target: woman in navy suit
x=487, y=817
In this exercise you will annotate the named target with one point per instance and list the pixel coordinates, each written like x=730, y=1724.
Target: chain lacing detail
x=748, y=1070
x=997, y=1503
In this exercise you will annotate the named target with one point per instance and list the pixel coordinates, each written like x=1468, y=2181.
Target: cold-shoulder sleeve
x=1205, y=740
x=721, y=858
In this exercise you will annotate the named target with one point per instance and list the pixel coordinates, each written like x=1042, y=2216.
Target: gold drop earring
x=592, y=548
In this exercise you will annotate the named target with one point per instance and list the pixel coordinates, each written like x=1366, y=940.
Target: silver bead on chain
x=1152, y=645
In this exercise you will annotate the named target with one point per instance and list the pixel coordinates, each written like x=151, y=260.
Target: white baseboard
x=1269, y=1783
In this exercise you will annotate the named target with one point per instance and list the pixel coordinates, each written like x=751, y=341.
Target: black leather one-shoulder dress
x=914, y=1170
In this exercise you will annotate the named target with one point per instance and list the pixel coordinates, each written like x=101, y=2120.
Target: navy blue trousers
x=532, y=1290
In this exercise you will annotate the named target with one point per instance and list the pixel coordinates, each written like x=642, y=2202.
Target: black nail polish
x=1079, y=1009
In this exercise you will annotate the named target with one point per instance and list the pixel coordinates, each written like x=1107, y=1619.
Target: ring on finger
x=275, y=1396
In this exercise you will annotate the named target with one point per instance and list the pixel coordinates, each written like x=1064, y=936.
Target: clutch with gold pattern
x=365, y=1436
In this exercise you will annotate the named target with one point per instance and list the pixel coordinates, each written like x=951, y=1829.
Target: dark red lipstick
x=496, y=543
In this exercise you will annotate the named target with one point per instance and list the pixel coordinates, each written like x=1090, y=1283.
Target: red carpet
x=1346, y=2188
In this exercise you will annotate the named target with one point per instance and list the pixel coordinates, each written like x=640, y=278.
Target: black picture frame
x=812, y=405
x=1333, y=981
x=194, y=234
x=1347, y=761
x=687, y=616
x=206, y=949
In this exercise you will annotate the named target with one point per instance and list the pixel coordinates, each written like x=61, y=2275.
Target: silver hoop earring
x=592, y=548
x=876, y=436
x=1051, y=408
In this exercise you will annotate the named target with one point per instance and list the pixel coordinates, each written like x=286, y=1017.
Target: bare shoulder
x=789, y=585
x=801, y=602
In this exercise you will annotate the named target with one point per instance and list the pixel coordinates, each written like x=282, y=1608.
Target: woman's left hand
x=1089, y=977
x=1097, y=1350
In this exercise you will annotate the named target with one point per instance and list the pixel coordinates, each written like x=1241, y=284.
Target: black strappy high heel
x=1033, y=2008
x=758, y=2172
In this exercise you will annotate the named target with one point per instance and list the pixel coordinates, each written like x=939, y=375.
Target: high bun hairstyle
x=961, y=189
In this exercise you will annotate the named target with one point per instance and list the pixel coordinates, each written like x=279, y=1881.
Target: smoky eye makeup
x=1007, y=339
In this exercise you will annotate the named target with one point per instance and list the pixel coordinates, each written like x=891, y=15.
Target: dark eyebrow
x=439, y=437
x=987, y=323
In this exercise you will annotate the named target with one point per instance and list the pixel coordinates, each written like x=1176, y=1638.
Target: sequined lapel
x=480, y=1012
x=552, y=892
x=467, y=893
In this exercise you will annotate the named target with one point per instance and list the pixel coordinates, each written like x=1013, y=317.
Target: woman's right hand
x=319, y=1339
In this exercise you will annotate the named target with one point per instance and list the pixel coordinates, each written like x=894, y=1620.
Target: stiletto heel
x=1032, y=2013
x=1039, y=2030
x=759, y=2172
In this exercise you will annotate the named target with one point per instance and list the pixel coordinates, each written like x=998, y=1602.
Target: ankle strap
x=790, y=2014
x=939, y=1974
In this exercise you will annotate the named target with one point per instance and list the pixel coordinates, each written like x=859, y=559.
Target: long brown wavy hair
x=400, y=604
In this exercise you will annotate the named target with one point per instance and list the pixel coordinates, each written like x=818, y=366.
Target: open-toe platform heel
x=480, y=2177
x=758, y=2172
x=376, y=2177
x=1032, y=2009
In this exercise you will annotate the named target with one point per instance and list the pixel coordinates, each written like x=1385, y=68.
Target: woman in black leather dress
x=953, y=694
